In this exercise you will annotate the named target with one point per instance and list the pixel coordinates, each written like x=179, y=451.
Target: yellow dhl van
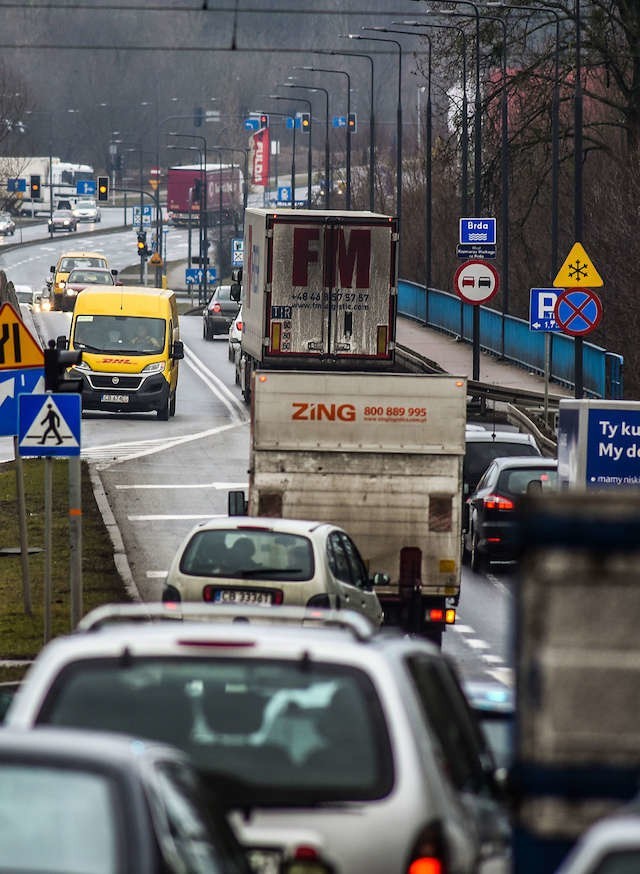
x=63, y=299
x=130, y=343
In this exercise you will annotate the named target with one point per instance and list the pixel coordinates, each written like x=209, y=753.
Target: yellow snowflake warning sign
x=18, y=347
x=577, y=271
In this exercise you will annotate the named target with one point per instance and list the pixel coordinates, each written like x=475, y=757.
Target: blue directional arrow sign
x=211, y=274
x=542, y=304
x=12, y=384
x=16, y=184
x=252, y=124
x=86, y=186
x=49, y=424
x=339, y=121
x=292, y=123
x=193, y=275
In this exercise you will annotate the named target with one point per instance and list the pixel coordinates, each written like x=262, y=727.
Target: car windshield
x=248, y=553
x=62, y=213
x=223, y=292
x=76, y=815
x=86, y=204
x=517, y=480
x=91, y=277
x=24, y=295
x=68, y=264
x=265, y=729
x=131, y=335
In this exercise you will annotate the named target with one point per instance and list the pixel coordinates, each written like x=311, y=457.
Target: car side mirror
x=236, y=503
x=235, y=292
x=52, y=269
x=177, y=351
x=61, y=341
x=114, y=272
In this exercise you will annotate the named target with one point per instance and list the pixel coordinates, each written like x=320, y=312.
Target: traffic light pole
x=155, y=198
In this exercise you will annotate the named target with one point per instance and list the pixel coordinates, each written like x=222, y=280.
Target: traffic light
x=35, y=187
x=103, y=188
x=198, y=115
x=56, y=362
x=352, y=122
x=264, y=120
x=305, y=122
x=142, y=244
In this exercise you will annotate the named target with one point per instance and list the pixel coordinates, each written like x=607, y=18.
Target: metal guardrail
x=511, y=339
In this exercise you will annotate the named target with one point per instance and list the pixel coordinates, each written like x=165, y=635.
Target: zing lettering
x=306, y=412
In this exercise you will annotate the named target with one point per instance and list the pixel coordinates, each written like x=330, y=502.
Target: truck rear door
x=333, y=288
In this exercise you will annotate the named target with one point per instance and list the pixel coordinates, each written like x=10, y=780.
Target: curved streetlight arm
x=309, y=151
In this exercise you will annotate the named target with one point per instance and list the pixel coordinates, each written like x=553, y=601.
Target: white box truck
x=598, y=444
x=379, y=454
x=319, y=290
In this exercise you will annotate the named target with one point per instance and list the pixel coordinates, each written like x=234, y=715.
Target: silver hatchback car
x=255, y=560
x=316, y=730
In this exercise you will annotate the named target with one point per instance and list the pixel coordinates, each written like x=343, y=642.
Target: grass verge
x=22, y=635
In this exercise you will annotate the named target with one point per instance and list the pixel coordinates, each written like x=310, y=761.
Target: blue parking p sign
x=542, y=303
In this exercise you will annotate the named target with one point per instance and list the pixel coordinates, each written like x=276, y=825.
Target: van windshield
x=130, y=335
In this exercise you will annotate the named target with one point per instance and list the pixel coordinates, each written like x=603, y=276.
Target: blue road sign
x=292, y=123
x=86, y=186
x=252, y=124
x=16, y=184
x=237, y=252
x=578, y=310
x=12, y=384
x=146, y=215
x=49, y=424
x=542, y=304
x=193, y=275
x=478, y=230
x=212, y=273
x=339, y=121
x=284, y=194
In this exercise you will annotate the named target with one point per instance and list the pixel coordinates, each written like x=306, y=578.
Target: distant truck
x=577, y=670
x=185, y=193
x=319, y=291
x=379, y=454
x=599, y=444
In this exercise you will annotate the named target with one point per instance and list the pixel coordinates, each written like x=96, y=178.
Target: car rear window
x=223, y=292
x=479, y=455
x=516, y=481
x=237, y=554
x=263, y=729
x=76, y=816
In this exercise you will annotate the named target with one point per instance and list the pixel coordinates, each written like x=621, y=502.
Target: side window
x=486, y=478
x=444, y=709
x=338, y=561
x=359, y=574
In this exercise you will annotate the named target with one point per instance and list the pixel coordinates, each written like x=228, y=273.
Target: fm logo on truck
x=306, y=412
x=342, y=256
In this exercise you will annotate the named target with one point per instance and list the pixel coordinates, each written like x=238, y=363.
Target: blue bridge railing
x=510, y=338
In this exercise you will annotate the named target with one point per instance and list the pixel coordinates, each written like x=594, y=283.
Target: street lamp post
x=348, y=129
x=308, y=104
x=204, y=236
x=190, y=221
x=372, y=135
x=477, y=161
x=327, y=159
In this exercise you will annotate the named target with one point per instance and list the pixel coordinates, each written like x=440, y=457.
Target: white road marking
x=157, y=575
x=236, y=408
x=476, y=643
x=216, y=486
x=503, y=675
x=127, y=451
x=463, y=629
x=492, y=659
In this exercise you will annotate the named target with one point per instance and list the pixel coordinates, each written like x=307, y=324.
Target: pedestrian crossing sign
x=49, y=424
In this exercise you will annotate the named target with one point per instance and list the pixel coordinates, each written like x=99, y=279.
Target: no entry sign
x=476, y=281
x=578, y=311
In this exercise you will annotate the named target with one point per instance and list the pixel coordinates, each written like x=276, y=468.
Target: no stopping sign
x=578, y=311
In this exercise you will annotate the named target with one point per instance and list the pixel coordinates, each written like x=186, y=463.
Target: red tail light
x=239, y=326
x=429, y=852
x=426, y=866
x=497, y=502
x=216, y=308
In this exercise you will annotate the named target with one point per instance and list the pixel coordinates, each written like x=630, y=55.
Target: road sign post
x=476, y=282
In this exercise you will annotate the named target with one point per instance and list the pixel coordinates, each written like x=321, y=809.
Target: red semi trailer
x=186, y=192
